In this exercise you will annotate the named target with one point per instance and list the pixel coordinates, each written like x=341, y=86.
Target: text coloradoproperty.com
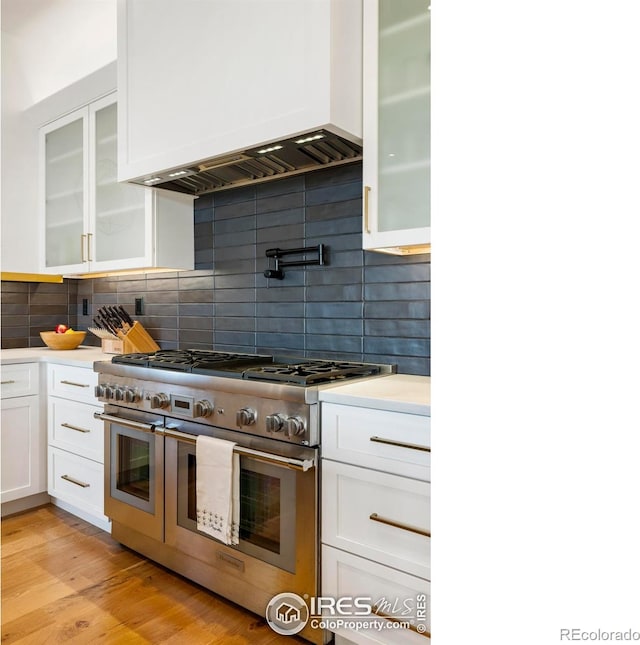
x=599, y=635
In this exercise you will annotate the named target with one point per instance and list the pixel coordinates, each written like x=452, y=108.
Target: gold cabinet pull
x=399, y=525
x=83, y=257
x=6, y=382
x=75, y=384
x=367, y=190
x=77, y=482
x=68, y=425
x=401, y=444
x=89, y=236
x=395, y=619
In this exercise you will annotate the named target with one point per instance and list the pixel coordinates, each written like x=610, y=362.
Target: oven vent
x=319, y=149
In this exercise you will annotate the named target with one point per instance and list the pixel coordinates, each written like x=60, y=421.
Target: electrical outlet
x=138, y=310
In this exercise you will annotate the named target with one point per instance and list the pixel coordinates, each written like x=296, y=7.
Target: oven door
x=134, y=470
x=278, y=510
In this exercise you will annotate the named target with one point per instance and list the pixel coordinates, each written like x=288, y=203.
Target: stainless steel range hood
x=317, y=149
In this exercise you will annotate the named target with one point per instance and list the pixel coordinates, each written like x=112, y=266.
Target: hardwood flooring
x=66, y=581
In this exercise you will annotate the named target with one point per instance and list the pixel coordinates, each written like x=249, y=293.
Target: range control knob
x=294, y=426
x=202, y=408
x=159, y=400
x=109, y=392
x=130, y=395
x=99, y=391
x=245, y=417
x=275, y=422
x=118, y=394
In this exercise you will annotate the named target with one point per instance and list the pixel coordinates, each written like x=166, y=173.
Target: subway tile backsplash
x=360, y=306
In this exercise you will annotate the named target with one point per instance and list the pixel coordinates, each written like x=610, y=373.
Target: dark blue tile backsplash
x=360, y=306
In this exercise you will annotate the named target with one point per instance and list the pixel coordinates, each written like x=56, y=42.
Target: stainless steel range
x=157, y=404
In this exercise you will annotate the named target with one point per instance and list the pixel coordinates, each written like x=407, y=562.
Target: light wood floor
x=63, y=580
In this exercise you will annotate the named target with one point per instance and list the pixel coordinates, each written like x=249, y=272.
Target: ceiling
x=49, y=44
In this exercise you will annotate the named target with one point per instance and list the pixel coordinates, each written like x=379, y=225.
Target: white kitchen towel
x=217, y=489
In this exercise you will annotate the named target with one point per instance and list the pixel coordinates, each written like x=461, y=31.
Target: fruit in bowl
x=67, y=339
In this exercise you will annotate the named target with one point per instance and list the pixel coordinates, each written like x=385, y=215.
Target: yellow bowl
x=69, y=340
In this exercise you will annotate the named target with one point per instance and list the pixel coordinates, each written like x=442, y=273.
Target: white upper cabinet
x=66, y=182
x=199, y=80
x=396, y=122
x=91, y=222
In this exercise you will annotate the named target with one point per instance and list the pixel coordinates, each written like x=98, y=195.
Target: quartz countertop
x=83, y=356
x=394, y=392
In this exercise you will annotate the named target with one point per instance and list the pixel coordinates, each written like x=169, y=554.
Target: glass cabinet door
x=403, y=114
x=118, y=209
x=65, y=190
x=396, y=124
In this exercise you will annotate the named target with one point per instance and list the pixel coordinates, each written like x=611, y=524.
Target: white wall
x=47, y=45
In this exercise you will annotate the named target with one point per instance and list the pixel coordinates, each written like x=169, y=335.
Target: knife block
x=136, y=340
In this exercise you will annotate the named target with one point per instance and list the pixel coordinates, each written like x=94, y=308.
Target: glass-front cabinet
x=396, y=126
x=66, y=197
x=94, y=224
x=117, y=211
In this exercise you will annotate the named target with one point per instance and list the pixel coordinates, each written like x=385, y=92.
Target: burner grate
x=256, y=367
x=311, y=372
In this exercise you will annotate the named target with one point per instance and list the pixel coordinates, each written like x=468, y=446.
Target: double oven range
x=156, y=405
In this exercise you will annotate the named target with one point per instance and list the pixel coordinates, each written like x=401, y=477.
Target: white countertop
x=393, y=392
x=81, y=356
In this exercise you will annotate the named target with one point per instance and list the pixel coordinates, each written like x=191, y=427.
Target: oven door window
x=132, y=467
x=267, y=507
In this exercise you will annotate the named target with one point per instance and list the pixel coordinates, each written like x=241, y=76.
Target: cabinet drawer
x=75, y=383
x=382, y=517
x=72, y=427
x=393, y=442
x=19, y=380
x=76, y=480
x=391, y=593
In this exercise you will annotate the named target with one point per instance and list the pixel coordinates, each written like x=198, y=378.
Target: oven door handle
x=127, y=423
x=296, y=464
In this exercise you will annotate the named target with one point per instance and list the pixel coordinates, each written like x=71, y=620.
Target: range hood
x=303, y=153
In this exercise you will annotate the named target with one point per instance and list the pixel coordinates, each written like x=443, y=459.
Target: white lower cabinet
x=382, y=517
x=23, y=435
x=376, y=530
x=76, y=446
x=76, y=480
x=393, y=592
x=23, y=448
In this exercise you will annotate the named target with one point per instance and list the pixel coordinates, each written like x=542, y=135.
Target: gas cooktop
x=255, y=367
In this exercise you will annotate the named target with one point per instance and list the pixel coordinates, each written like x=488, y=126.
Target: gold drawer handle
x=399, y=525
x=6, y=382
x=75, y=384
x=395, y=619
x=68, y=425
x=401, y=444
x=77, y=482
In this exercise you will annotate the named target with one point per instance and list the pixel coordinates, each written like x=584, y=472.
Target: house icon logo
x=287, y=613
